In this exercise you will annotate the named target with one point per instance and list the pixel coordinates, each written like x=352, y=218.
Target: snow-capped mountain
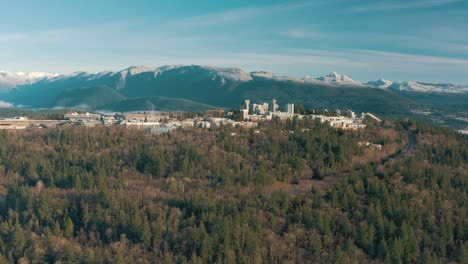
x=223, y=75
x=270, y=76
x=181, y=88
x=9, y=80
x=143, y=80
x=428, y=87
x=381, y=83
x=340, y=79
x=134, y=70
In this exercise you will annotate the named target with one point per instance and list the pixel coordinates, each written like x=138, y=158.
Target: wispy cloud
x=377, y=56
x=300, y=33
x=4, y=104
x=364, y=64
x=285, y=58
x=404, y=57
x=458, y=47
x=240, y=14
x=12, y=37
x=57, y=34
x=399, y=5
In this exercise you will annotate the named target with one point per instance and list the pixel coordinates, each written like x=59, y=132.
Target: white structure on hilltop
x=363, y=115
x=274, y=106
x=261, y=112
x=342, y=122
x=351, y=114
x=245, y=113
x=264, y=112
x=82, y=117
x=290, y=109
x=260, y=109
x=246, y=106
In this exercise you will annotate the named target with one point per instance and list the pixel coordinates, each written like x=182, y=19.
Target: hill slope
x=88, y=97
x=157, y=103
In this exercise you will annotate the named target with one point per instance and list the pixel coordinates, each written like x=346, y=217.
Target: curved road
x=409, y=146
x=332, y=178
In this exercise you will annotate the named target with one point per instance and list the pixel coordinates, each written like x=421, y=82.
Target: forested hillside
x=291, y=192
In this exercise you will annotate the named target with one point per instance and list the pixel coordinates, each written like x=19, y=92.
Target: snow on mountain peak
x=38, y=75
x=380, y=83
x=133, y=70
x=215, y=73
x=118, y=79
x=263, y=74
x=428, y=87
x=9, y=80
x=336, y=78
x=233, y=74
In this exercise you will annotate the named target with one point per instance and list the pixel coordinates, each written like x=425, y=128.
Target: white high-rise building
x=260, y=109
x=247, y=104
x=274, y=107
x=290, y=108
x=265, y=108
x=245, y=114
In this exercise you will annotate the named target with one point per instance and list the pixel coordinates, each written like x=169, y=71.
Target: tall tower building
x=274, y=107
x=245, y=114
x=247, y=105
x=265, y=107
x=291, y=109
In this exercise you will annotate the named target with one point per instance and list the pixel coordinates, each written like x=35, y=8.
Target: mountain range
x=10, y=80
x=187, y=88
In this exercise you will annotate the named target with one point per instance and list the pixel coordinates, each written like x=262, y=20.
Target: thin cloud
x=403, y=57
x=238, y=14
x=458, y=47
x=301, y=33
x=292, y=59
x=409, y=5
x=13, y=37
x=382, y=64
x=4, y=104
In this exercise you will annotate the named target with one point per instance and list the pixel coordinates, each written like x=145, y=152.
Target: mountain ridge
x=10, y=80
x=135, y=88
x=224, y=87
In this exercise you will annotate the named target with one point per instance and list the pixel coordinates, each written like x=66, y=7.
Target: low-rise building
x=159, y=130
x=370, y=145
x=144, y=117
x=82, y=117
x=340, y=121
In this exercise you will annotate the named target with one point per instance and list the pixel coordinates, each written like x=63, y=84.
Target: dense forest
x=285, y=192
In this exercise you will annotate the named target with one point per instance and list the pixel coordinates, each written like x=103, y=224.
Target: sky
x=421, y=40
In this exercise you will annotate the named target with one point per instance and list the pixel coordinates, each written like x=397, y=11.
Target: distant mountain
x=9, y=80
x=198, y=83
x=428, y=87
x=209, y=85
x=269, y=76
x=381, y=83
x=88, y=98
x=340, y=79
x=193, y=87
x=156, y=104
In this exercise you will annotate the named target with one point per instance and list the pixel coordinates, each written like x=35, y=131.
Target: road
x=333, y=177
x=409, y=146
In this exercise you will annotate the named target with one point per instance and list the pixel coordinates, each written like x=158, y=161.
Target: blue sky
x=424, y=40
